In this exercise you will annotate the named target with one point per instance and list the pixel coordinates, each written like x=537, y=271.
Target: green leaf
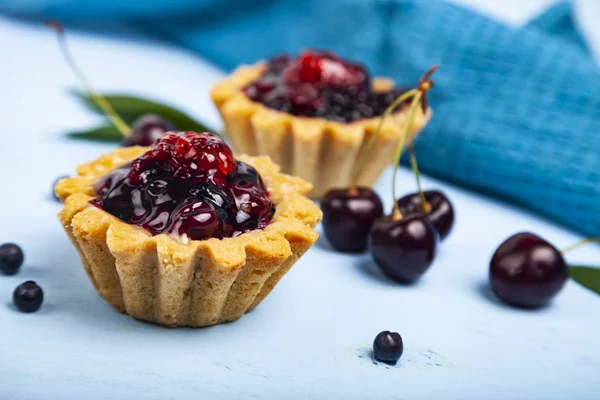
x=130, y=108
x=105, y=133
x=586, y=276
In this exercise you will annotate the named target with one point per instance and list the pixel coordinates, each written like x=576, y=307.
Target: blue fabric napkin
x=517, y=110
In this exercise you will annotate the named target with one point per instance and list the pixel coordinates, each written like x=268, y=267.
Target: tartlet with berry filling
x=313, y=115
x=185, y=233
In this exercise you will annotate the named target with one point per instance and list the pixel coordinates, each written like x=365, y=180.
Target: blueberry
x=28, y=297
x=388, y=347
x=54, y=196
x=11, y=258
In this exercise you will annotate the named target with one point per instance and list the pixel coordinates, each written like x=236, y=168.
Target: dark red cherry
x=146, y=130
x=527, y=271
x=404, y=249
x=198, y=219
x=441, y=214
x=348, y=215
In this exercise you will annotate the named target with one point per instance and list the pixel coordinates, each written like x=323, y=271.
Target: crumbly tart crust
x=322, y=152
x=199, y=283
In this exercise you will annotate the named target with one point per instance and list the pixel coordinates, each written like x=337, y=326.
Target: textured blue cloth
x=517, y=110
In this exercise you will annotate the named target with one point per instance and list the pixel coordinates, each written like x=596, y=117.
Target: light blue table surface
x=310, y=338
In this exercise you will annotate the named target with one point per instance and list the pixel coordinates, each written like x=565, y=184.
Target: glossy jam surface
x=190, y=185
x=319, y=84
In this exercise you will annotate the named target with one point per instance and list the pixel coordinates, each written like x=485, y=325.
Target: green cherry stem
x=580, y=243
x=388, y=111
x=425, y=84
x=100, y=101
x=425, y=206
x=420, y=98
x=416, y=100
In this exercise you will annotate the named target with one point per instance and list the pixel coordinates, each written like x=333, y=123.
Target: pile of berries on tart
x=187, y=184
x=320, y=84
x=184, y=233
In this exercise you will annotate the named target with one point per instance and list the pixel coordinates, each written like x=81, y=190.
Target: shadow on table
x=483, y=288
x=367, y=266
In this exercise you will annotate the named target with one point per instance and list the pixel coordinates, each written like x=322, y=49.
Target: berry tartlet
x=313, y=115
x=184, y=233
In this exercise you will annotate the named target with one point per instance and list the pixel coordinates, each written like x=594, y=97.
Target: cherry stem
x=406, y=129
x=100, y=101
x=425, y=206
x=580, y=243
x=388, y=111
x=425, y=84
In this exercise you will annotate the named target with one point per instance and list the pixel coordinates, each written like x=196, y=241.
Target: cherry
x=527, y=271
x=348, y=215
x=388, y=347
x=404, y=246
x=441, y=212
x=28, y=297
x=246, y=176
x=11, y=258
x=404, y=249
x=146, y=130
x=199, y=220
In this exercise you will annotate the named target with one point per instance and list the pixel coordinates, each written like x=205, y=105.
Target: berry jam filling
x=187, y=184
x=320, y=84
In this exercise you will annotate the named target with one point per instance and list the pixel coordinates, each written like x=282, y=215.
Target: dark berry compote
x=190, y=185
x=319, y=84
